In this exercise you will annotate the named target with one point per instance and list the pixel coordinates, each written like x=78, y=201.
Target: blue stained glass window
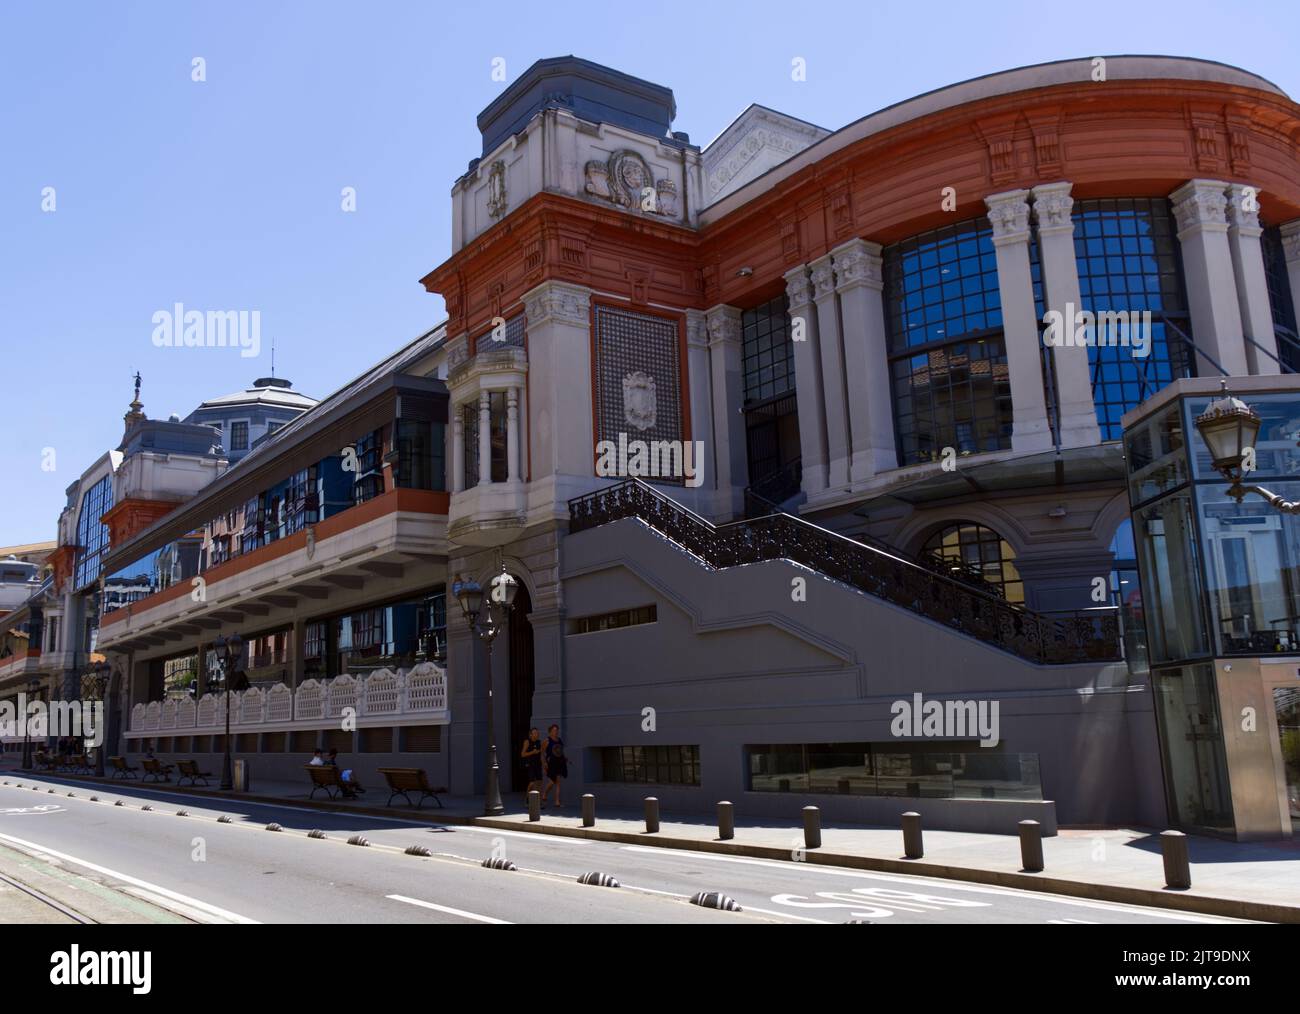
x=92, y=534
x=948, y=359
x=1128, y=259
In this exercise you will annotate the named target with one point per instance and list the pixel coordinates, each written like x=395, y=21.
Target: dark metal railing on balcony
x=881, y=574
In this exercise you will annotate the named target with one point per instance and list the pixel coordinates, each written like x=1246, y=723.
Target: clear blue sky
x=225, y=194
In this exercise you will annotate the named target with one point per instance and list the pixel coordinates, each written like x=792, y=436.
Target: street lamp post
x=229, y=652
x=33, y=686
x=487, y=623
x=1230, y=428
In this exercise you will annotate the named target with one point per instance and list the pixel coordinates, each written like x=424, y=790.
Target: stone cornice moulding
x=1200, y=205
x=697, y=329
x=822, y=272
x=558, y=302
x=798, y=287
x=1009, y=216
x=1291, y=240
x=858, y=263
x=723, y=322
x=1052, y=207
x=1243, y=210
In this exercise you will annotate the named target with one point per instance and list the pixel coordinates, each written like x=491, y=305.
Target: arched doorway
x=520, y=635
x=980, y=550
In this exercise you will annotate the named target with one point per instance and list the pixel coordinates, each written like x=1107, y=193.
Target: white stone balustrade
x=381, y=698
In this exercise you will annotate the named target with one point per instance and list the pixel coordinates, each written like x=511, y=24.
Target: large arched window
x=948, y=360
x=92, y=534
x=974, y=547
x=1128, y=258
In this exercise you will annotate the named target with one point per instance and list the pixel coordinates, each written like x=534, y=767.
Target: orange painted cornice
x=1138, y=138
x=133, y=515
x=62, y=560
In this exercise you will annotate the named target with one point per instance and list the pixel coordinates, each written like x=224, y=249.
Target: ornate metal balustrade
x=383, y=697
x=936, y=596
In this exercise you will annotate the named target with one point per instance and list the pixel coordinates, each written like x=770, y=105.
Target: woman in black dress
x=532, y=758
x=557, y=765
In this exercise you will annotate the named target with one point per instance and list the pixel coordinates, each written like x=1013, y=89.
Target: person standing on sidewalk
x=557, y=764
x=531, y=754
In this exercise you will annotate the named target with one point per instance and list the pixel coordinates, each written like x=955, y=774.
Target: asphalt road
x=218, y=872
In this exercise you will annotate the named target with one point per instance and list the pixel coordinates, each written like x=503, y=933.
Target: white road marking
x=447, y=910
x=530, y=835
x=184, y=899
x=948, y=885
x=1065, y=922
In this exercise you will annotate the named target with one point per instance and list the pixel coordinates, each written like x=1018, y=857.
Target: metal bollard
x=912, y=845
x=1178, y=869
x=534, y=805
x=812, y=827
x=588, y=810
x=651, y=815
x=1031, y=846
x=726, y=821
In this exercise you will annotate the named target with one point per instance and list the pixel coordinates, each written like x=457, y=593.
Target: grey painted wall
x=733, y=660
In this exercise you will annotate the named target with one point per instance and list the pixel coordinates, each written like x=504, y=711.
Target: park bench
x=121, y=769
x=323, y=776
x=81, y=764
x=156, y=769
x=404, y=780
x=190, y=769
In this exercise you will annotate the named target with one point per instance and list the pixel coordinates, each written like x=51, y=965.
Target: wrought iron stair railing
x=1088, y=636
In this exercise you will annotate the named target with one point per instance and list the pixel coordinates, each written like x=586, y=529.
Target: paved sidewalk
x=1245, y=880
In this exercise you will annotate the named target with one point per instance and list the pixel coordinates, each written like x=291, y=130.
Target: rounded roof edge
x=1004, y=82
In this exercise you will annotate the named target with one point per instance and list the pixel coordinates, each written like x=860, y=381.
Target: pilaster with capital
x=699, y=368
x=1200, y=209
x=859, y=283
x=1077, y=414
x=1009, y=215
x=834, y=387
x=731, y=459
x=1253, y=303
x=559, y=437
x=807, y=379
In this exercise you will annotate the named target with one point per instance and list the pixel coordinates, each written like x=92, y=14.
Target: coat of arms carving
x=639, y=403
x=496, y=189
x=626, y=180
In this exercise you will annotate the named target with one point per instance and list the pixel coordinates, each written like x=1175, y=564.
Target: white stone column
x=728, y=408
x=859, y=283
x=457, y=449
x=559, y=402
x=1200, y=211
x=1252, y=285
x=807, y=381
x=1291, y=254
x=700, y=384
x=484, y=438
x=1030, y=427
x=512, y=435
x=834, y=394
x=1075, y=408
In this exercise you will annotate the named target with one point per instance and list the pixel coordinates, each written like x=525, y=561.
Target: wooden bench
x=156, y=769
x=190, y=769
x=323, y=776
x=81, y=764
x=404, y=780
x=121, y=769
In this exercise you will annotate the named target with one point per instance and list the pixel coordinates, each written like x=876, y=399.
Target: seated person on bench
x=351, y=787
